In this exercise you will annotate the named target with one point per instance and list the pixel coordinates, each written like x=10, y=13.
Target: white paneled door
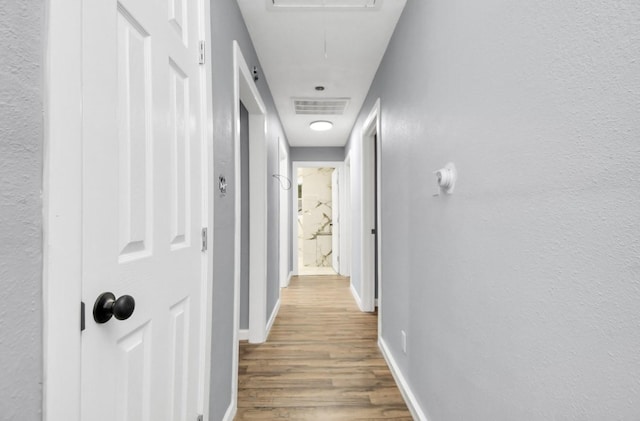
x=142, y=209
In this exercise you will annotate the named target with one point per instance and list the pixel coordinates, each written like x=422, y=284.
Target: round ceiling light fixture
x=321, y=125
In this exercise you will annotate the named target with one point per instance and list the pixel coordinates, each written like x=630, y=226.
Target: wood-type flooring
x=320, y=362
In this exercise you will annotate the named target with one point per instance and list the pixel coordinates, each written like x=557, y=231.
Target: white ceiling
x=291, y=38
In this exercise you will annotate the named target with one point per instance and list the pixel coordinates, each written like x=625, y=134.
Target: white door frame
x=62, y=213
x=294, y=199
x=283, y=164
x=245, y=91
x=370, y=128
x=346, y=219
x=336, y=217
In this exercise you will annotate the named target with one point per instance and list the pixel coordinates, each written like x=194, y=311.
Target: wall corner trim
x=243, y=334
x=272, y=319
x=231, y=412
x=356, y=297
x=405, y=390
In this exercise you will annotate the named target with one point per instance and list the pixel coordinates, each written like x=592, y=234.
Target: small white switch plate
x=404, y=341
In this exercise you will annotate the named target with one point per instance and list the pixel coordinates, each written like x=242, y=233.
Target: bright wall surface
x=227, y=25
x=22, y=46
x=520, y=292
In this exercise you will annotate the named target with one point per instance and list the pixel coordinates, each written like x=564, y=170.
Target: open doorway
x=316, y=223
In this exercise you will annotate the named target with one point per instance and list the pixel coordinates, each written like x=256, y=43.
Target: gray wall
x=317, y=154
x=21, y=138
x=520, y=292
x=227, y=25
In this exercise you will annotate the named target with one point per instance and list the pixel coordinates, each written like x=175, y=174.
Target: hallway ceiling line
x=336, y=45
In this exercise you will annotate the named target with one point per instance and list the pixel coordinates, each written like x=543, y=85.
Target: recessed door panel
x=177, y=15
x=133, y=374
x=134, y=135
x=180, y=154
x=179, y=358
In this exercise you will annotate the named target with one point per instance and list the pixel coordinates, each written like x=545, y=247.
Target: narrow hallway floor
x=321, y=361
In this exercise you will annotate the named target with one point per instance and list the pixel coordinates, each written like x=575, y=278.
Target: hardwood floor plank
x=321, y=361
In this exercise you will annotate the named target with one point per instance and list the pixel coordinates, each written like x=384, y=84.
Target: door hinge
x=201, y=56
x=200, y=418
x=82, y=324
x=204, y=239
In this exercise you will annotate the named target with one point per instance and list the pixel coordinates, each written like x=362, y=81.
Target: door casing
x=294, y=200
x=283, y=162
x=371, y=132
x=62, y=213
x=245, y=91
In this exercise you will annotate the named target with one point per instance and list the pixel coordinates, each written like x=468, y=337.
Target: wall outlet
x=403, y=335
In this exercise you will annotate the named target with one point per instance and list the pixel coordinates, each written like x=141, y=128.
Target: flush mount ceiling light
x=326, y=4
x=321, y=125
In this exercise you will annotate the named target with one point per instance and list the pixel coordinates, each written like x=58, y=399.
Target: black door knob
x=107, y=306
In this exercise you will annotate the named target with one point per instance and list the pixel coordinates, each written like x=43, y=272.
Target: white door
x=142, y=209
x=335, y=221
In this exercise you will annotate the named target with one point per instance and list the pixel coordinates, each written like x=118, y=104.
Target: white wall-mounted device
x=446, y=178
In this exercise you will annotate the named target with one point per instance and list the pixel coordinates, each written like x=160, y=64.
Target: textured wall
x=227, y=25
x=520, y=292
x=21, y=139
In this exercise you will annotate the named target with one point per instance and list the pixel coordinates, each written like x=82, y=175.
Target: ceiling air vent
x=320, y=106
x=305, y=4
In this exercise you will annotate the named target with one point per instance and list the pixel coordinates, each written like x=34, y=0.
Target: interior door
x=335, y=220
x=142, y=209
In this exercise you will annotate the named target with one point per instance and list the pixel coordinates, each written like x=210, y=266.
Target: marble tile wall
x=314, y=217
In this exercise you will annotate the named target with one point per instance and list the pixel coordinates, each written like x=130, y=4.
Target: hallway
x=320, y=362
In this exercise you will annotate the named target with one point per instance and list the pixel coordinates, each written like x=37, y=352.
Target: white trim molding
x=62, y=213
x=272, y=319
x=243, y=334
x=289, y=278
x=284, y=212
x=371, y=132
x=230, y=413
x=294, y=199
x=356, y=297
x=409, y=398
x=245, y=91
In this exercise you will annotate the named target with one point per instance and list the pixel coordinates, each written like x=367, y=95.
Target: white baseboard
x=243, y=334
x=356, y=297
x=272, y=319
x=231, y=412
x=409, y=398
x=289, y=278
